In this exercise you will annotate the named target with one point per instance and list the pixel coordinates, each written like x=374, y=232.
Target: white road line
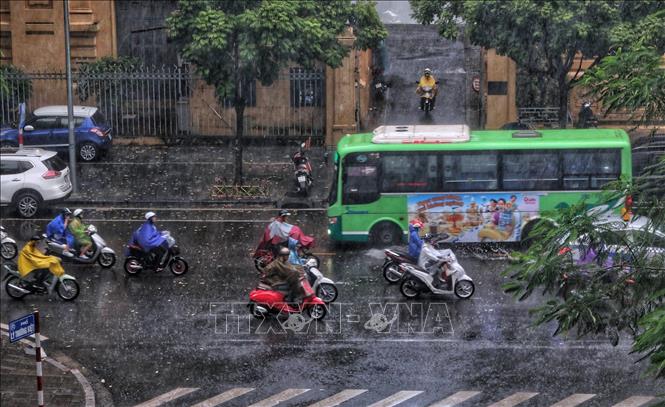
x=513, y=400
x=396, y=398
x=167, y=397
x=455, y=399
x=573, y=400
x=224, y=397
x=634, y=401
x=339, y=398
x=279, y=397
x=87, y=388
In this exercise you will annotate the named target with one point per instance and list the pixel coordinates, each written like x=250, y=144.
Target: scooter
x=586, y=118
x=324, y=287
x=394, y=257
x=9, y=248
x=17, y=287
x=99, y=252
x=443, y=275
x=264, y=301
x=302, y=171
x=426, y=95
x=138, y=260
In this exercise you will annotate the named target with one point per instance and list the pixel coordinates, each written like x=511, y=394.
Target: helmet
x=284, y=212
x=38, y=236
x=149, y=215
x=417, y=223
x=78, y=212
x=66, y=212
x=428, y=71
x=284, y=251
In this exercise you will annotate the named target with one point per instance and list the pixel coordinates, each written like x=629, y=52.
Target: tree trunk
x=563, y=103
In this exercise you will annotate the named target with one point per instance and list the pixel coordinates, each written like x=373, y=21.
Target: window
x=590, y=169
x=11, y=167
x=530, y=170
x=44, y=123
x=332, y=197
x=360, y=179
x=99, y=119
x=409, y=173
x=55, y=163
x=470, y=172
x=64, y=122
x=306, y=87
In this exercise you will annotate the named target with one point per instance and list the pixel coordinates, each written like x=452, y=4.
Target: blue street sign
x=21, y=327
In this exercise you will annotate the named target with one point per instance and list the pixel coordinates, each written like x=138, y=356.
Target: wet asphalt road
x=154, y=333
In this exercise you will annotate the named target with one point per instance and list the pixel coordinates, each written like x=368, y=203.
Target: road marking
x=396, y=398
x=634, y=401
x=573, y=400
x=513, y=400
x=87, y=388
x=166, y=397
x=278, y=398
x=339, y=398
x=455, y=399
x=224, y=397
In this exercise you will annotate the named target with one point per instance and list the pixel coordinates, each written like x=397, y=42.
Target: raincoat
x=415, y=242
x=57, y=231
x=280, y=272
x=425, y=81
x=148, y=237
x=294, y=258
x=31, y=258
x=77, y=228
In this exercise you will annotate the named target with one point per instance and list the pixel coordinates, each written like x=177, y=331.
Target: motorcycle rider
x=280, y=273
x=151, y=240
x=585, y=117
x=296, y=252
x=427, y=80
x=78, y=229
x=57, y=231
x=34, y=263
x=415, y=242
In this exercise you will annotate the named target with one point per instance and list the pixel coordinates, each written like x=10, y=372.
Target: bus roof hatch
x=421, y=134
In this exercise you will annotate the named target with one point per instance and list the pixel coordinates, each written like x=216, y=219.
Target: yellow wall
x=499, y=109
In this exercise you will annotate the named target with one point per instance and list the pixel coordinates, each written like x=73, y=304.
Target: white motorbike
x=9, y=248
x=437, y=272
x=324, y=287
x=99, y=252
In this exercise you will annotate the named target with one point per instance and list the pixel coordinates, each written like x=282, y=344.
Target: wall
x=499, y=90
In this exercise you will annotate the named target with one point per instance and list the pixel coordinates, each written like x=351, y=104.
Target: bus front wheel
x=386, y=234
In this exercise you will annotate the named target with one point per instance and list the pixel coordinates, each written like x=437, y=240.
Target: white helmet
x=149, y=215
x=427, y=70
x=78, y=212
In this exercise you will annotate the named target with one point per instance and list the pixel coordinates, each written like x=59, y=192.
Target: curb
x=95, y=392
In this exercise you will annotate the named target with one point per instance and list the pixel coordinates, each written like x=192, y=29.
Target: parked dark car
x=48, y=126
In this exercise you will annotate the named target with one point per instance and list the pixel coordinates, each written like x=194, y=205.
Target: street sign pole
x=38, y=357
x=70, y=102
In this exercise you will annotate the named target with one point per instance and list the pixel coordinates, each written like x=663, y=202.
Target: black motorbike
x=585, y=118
x=139, y=260
x=302, y=171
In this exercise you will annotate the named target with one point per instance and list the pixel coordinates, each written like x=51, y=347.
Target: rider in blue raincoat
x=415, y=242
x=57, y=229
x=151, y=239
x=294, y=256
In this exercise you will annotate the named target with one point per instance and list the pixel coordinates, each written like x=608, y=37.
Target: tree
x=15, y=88
x=235, y=42
x=543, y=37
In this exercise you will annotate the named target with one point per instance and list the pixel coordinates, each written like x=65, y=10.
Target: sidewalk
x=18, y=383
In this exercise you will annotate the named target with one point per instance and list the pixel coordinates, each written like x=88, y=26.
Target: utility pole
x=70, y=102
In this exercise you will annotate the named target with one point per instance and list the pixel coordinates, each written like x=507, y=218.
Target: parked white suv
x=30, y=177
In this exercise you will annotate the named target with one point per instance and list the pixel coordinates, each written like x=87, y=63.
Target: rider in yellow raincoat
x=427, y=81
x=32, y=258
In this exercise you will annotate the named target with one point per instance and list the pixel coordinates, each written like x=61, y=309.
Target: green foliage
x=543, y=37
x=95, y=78
x=610, y=294
x=15, y=85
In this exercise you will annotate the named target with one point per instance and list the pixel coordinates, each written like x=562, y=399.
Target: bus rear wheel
x=385, y=234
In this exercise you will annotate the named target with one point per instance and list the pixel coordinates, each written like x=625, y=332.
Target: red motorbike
x=270, y=245
x=264, y=301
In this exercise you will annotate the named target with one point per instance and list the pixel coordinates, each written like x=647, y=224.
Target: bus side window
x=360, y=184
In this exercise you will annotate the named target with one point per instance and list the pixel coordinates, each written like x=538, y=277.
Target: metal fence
x=172, y=102
x=539, y=116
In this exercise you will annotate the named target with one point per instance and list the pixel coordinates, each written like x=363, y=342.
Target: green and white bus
x=471, y=186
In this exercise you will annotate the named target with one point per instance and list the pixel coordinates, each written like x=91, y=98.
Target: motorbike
x=268, y=247
x=264, y=301
x=17, y=287
x=324, y=287
x=302, y=171
x=441, y=275
x=99, y=252
x=138, y=259
x=9, y=248
x=585, y=118
x=426, y=95
x=396, y=256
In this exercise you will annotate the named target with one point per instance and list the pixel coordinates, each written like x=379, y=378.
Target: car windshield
x=99, y=119
x=55, y=163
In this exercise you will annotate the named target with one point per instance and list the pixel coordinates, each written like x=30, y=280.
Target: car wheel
x=27, y=204
x=88, y=152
